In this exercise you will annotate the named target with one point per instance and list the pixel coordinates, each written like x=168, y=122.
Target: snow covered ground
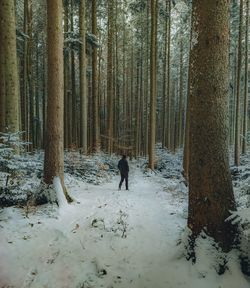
x=109, y=238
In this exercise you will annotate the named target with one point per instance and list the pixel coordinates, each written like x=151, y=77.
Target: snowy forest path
x=108, y=238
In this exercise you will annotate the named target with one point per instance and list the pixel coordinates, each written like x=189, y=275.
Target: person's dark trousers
x=124, y=176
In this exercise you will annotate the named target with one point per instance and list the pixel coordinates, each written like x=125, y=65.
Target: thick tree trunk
x=53, y=162
x=210, y=187
x=83, y=81
x=11, y=73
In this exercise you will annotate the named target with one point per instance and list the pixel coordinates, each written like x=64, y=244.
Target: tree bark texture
x=210, y=186
x=110, y=88
x=54, y=162
x=153, y=83
x=67, y=138
x=237, y=113
x=11, y=73
x=245, y=114
x=95, y=132
x=2, y=77
x=83, y=81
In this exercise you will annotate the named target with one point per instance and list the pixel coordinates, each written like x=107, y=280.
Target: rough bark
x=187, y=125
x=168, y=136
x=73, y=83
x=53, y=162
x=11, y=72
x=181, y=104
x=164, y=81
x=24, y=90
x=110, y=88
x=153, y=83
x=30, y=78
x=2, y=78
x=245, y=113
x=147, y=79
x=237, y=113
x=95, y=132
x=66, y=77
x=83, y=81
x=210, y=187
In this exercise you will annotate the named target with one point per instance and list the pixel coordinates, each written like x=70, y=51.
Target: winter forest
x=153, y=92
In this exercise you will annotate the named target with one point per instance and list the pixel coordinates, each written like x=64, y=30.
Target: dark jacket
x=123, y=166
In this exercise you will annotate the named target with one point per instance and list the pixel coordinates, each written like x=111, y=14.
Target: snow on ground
x=109, y=238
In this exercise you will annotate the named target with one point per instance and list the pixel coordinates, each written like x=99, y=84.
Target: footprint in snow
x=30, y=278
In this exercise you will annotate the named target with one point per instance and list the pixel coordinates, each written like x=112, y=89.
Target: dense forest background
x=107, y=102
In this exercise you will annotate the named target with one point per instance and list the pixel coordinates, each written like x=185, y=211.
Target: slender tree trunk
x=168, y=140
x=210, y=187
x=110, y=88
x=96, y=132
x=237, y=115
x=66, y=74
x=175, y=131
x=11, y=72
x=141, y=110
x=2, y=78
x=24, y=90
x=172, y=116
x=137, y=108
x=44, y=85
x=124, y=96
x=37, y=106
x=181, y=110
x=132, y=102
x=164, y=89
x=153, y=83
x=245, y=114
x=73, y=83
x=147, y=82
x=116, y=83
x=83, y=81
x=233, y=97
x=30, y=78
x=90, y=114
x=187, y=125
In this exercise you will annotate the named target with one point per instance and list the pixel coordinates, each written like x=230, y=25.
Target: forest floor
x=109, y=238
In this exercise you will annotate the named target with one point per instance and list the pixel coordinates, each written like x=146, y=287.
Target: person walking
x=124, y=169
